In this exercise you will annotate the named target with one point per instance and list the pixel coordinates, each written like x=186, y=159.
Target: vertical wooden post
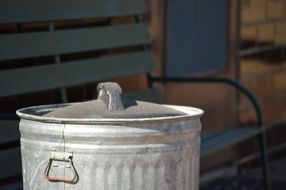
x=157, y=30
x=58, y=61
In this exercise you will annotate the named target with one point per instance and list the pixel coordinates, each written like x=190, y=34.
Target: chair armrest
x=233, y=83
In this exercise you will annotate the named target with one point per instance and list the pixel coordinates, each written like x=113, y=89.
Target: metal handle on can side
x=110, y=94
x=68, y=159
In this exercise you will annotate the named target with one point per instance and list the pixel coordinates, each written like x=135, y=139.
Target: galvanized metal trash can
x=110, y=144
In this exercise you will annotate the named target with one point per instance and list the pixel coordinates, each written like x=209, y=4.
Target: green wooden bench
x=56, y=42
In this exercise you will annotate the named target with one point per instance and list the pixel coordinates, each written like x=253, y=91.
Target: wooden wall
x=262, y=67
x=218, y=101
x=214, y=98
x=264, y=72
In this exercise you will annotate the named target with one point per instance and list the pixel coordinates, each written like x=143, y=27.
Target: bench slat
x=10, y=160
x=9, y=131
x=13, y=186
x=150, y=95
x=14, y=11
x=26, y=45
x=218, y=141
x=53, y=76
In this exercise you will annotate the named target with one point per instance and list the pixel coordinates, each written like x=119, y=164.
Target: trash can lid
x=109, y=104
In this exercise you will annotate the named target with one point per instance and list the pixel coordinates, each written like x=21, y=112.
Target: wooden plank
x=9, y=131
x=150, y=95
x=10, y=163
x=24, y=80
x=226, y=139
x=25, y=45
x=14, y=11
x=208, y=135
x=157, y=31
x=13, y=186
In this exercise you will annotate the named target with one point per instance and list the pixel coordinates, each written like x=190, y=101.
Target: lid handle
x=110, y=94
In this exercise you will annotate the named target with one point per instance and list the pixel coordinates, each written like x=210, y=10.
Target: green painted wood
x=12, y=186
x=150, y=95
x=14, y=11
x=24, y=80
x=10, y=162
x=227, y=138
x=209, y=135
x=25, y=45
x=9, y=131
